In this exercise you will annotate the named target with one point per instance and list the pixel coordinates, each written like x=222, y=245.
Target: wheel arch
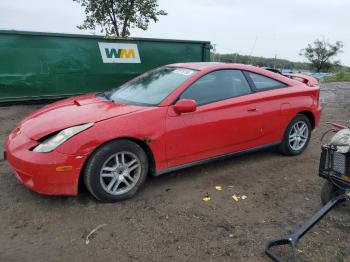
x=139, y=142
x=310, y=116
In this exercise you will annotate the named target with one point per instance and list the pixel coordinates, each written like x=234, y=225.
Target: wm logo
x=119, y=53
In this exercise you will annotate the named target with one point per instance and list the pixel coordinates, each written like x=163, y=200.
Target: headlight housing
x=52, y=142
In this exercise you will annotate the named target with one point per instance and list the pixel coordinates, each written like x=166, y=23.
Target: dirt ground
x=168, y=221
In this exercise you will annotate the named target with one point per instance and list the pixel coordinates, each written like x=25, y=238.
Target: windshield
x=152, y=87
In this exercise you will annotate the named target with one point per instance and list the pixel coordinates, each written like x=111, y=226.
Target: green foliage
x=341, y=76
x=116, y=17
x=260, y=61
x=320, y=54
x=270, y=62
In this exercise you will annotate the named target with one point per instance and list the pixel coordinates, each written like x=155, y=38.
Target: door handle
x=253, y=109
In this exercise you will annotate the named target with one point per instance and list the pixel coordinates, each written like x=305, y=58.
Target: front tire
x=116, y=171
x=296, y=137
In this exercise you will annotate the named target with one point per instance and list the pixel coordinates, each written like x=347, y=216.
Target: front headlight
x=54, y=141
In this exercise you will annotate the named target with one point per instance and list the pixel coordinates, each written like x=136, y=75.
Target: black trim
x=208, y=160
x=249, y=80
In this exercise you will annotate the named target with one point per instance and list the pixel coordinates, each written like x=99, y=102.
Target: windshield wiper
x=104, y=95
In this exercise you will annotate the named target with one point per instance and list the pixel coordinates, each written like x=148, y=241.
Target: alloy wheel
x=298, y=135
x=120, y=173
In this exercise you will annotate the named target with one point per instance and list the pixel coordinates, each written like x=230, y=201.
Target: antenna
x=252, y=50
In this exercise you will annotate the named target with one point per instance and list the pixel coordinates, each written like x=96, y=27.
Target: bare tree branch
x=126, y=19
x=113, y=18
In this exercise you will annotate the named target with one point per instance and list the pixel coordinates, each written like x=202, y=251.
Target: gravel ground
x=169, y=221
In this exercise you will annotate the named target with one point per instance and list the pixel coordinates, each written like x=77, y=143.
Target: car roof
x=214, y=65
x=211, y=66
x=197, y=65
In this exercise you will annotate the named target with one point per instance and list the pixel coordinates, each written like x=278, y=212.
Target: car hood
x=71, y=112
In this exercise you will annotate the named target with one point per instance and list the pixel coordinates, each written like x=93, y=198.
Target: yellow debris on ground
x=236, y=198
x=218, y=188
x=206, y=199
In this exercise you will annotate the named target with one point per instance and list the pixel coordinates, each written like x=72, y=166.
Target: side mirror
x=185, y=106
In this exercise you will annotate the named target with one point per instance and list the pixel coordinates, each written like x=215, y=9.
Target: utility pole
x=274, y=63
x=214, y=52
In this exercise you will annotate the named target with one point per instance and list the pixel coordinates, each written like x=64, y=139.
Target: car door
x=275, y=104
x=225, y=119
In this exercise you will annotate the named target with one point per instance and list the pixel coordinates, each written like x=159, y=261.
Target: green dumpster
x=37, y=65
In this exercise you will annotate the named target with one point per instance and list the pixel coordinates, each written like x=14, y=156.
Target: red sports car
x=172, y=117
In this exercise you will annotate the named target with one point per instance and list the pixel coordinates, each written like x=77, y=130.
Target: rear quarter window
x=265, y=83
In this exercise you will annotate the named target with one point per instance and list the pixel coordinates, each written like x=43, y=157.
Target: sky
x=250, y=27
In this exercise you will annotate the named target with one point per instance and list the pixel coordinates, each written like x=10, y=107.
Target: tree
x=321, y=52
x=116, y=17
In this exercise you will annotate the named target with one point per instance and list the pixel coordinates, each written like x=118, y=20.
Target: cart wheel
x=329, y=191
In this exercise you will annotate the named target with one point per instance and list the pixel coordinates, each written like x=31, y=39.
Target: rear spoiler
x=308, y=80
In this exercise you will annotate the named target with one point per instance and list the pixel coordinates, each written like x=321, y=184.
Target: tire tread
x=98, y=156
x=284, y=147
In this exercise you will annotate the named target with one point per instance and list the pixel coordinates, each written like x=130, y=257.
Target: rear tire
x=329, y=191
x=296, y=137
x=116, y=171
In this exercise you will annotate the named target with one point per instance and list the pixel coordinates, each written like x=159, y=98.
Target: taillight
x=317, y=98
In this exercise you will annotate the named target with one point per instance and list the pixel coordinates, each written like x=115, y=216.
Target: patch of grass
x=341, y=76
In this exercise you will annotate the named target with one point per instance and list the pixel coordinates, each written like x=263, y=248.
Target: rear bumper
x=38, y=171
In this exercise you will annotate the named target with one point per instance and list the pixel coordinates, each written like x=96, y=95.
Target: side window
x=216, y=86
x=264, y=83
